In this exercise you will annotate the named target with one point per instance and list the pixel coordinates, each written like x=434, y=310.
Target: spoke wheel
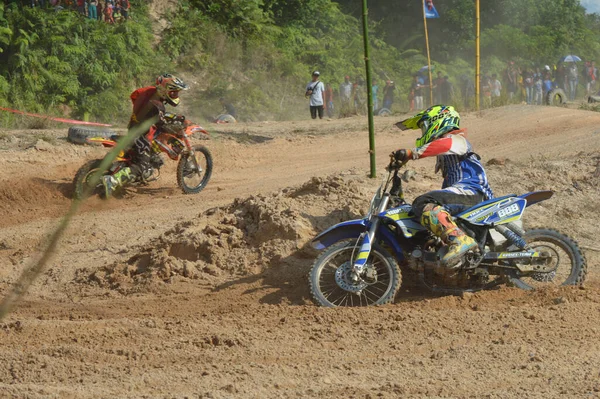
x=193, y=172
x=331, y=277
x=567, y=264
x=81, y=183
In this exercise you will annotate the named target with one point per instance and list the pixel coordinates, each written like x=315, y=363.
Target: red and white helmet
x=168, y=88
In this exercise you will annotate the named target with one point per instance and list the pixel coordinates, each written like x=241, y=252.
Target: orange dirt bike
x=193, y=170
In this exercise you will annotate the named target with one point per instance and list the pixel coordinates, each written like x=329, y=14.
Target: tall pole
x=428, y=56
x=477, y=56
x=369, y=91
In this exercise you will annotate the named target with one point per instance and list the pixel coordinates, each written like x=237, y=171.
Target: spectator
x=228, y=108
x=314, y=91
x=547, y=73
x=590, y=77
x=437, y=88
x=560, y=76
x=447, y=91
x=388, y=94
x=486, y=91
x=467, y=90
x=496, y=90
x=359, y=96
x=81, y=6
x=99, y=9
x=538, y=86
x=346, y=95
x=512, y=77
x=411, y=98
x=417, y=89
x=573, y=76
x=93, y=9
x=117, y=13
x=374, y=91
x=329, y=100
x=548, y=85
x=528, y=85
x=125, y=7
x=108, y=13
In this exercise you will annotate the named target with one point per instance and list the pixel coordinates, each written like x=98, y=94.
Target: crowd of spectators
x=515, y=84
x=531, y=85
x=109, y=11
x=352, y=96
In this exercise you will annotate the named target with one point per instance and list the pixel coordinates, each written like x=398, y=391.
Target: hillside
x=259, y=54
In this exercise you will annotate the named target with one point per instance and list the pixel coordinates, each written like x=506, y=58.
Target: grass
x=590, y=107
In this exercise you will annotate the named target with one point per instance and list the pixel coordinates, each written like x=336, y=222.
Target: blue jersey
x=459, y=165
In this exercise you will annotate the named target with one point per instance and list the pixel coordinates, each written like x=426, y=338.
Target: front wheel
x=331, y=284
x=193, y=172
x=567, y=261
x=82, y=183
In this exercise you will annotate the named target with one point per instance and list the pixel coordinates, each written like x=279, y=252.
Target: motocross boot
x=436, y=219
x=113, y=182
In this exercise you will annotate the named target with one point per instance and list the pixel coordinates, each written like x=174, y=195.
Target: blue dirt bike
x=364, y=261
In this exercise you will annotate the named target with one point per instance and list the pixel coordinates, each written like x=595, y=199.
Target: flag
x=430, y=11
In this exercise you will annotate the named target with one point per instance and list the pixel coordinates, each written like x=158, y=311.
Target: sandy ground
x=162, y=295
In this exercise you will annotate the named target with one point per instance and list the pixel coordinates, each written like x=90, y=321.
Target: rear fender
x=353, y=229
x=537, y=196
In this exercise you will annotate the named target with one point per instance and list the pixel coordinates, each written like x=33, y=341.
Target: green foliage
x=552, y=27
x=259, y=53
x=54, y=58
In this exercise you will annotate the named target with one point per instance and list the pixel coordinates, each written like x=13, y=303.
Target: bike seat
x=460, y=209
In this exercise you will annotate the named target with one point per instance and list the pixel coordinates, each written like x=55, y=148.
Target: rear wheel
x=567, y=261
x=331, y=284
x=193, y=172
x=82, y=183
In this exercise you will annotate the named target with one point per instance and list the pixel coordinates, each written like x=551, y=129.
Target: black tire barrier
x=593, y=99
x=384, y=112
x=556, y=97
x=80, y=134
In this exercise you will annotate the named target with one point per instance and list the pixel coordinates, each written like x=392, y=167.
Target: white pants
x=418, y=103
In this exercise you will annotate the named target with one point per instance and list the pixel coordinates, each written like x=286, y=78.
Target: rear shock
x=511, y=236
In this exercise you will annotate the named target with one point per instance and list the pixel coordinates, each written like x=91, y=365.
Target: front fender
x=338, y=232
x=353, y=229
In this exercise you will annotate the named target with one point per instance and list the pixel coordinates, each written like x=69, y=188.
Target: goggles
x=424, y=126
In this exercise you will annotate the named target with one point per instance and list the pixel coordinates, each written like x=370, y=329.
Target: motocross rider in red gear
x=148, y=103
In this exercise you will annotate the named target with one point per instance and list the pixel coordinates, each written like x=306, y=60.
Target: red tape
x=63, y=120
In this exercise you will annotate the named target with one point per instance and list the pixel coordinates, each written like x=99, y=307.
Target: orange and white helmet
x=168, y=88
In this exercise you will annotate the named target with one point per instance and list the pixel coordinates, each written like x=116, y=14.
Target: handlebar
x=396, y=190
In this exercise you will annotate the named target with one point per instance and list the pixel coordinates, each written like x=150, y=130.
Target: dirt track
x=151, y=296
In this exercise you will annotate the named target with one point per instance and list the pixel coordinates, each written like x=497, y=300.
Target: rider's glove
x=403, y=155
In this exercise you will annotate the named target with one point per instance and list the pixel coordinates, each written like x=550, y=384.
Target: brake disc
x=343, y=278
x=546, y=277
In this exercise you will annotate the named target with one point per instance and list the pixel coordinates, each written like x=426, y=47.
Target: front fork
x=191, y=154
x=360, y=262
